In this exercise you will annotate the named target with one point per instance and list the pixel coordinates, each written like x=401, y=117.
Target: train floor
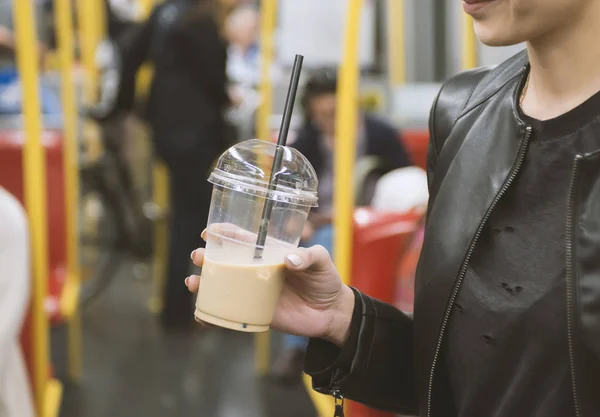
x=132, y=369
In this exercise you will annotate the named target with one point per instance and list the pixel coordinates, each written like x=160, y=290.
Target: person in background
x=7, y=49
x=243, y=63
x=15, y=290
x=7, y=40
x=243, y=69
x=185, y=108
x=316, y=140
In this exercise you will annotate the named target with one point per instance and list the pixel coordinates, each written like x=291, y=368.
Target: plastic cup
x=238, y=290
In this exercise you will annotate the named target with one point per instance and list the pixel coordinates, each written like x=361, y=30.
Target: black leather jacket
x=478, y=143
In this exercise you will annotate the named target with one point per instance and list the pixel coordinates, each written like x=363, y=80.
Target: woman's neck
x=565, y=67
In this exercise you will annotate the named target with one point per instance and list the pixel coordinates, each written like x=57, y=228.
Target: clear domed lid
x=246, y=167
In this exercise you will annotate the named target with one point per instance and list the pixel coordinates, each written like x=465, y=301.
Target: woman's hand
x=314, y=301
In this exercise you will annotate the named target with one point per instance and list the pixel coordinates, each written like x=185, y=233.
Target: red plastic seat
x=380, y=242
x=405, y=283
x=416, y=142
x=11, y=178
x=380, y=239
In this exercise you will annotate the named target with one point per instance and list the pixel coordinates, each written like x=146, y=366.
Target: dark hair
x=321, y=82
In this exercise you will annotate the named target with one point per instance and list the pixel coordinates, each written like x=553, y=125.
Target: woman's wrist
x=339, y=329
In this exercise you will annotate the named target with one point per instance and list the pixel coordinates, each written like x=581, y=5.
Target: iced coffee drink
x=241, y=283
x=240, y=296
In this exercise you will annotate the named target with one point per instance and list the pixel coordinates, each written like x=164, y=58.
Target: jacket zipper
x=463, y=271
x=339, y=402
x=336, y=393
x=569, y=279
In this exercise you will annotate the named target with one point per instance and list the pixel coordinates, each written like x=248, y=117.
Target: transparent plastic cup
x=241, y=283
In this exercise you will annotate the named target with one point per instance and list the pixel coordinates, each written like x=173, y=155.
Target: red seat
x=380, y=241
x=11, y=178
x=405, y=283
x=416, y=142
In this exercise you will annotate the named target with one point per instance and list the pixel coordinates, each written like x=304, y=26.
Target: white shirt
x=15, y=394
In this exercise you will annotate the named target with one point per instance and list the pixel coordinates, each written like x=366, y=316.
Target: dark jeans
x=190, y=194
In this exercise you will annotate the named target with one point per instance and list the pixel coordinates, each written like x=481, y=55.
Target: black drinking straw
x=278, y=158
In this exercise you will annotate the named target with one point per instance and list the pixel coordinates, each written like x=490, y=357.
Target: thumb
x=315, y=259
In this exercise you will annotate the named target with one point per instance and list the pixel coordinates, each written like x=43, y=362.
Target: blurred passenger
x=316, y=140
x=15, y=394
x=6, y=38
x=185, y=109
x=243, y=63
x=243, y=69
x=7, y=49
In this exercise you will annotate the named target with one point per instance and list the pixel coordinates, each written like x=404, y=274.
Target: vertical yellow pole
x=145, y=74
x=160, y=191
x=396, y=42
x=35, y=200
x=469, y=41
x=268, y=22
x=70, y=297
x=146, y=7
x=346, y=130
x=92, y=28
x=160, y=197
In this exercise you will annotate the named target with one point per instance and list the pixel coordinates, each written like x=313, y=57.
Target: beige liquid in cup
x=239, y=296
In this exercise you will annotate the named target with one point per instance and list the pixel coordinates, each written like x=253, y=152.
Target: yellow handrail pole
x=396, y=43
x=146, y=7
x=160, y=191
x=268, y=22
x=92, y=27
x=145, y=74
x=70, y=296
x=469, y=42
x=45, y=390
x=346, y=130
x=160, y=197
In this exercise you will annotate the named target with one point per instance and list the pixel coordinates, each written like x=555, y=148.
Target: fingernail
x=186, y=281
x=203, y=234
x=295, y=260
x=192, y=255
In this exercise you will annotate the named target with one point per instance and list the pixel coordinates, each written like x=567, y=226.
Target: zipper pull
x=339, y=403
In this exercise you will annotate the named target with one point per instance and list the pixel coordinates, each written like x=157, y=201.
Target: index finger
x=198, y=257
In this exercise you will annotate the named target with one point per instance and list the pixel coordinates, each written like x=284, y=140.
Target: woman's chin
x=496, y=35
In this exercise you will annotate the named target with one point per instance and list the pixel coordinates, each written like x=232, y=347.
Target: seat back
x=402, y=190
x=416, y=143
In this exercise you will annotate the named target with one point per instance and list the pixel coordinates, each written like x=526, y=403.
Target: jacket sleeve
x=376, y=365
